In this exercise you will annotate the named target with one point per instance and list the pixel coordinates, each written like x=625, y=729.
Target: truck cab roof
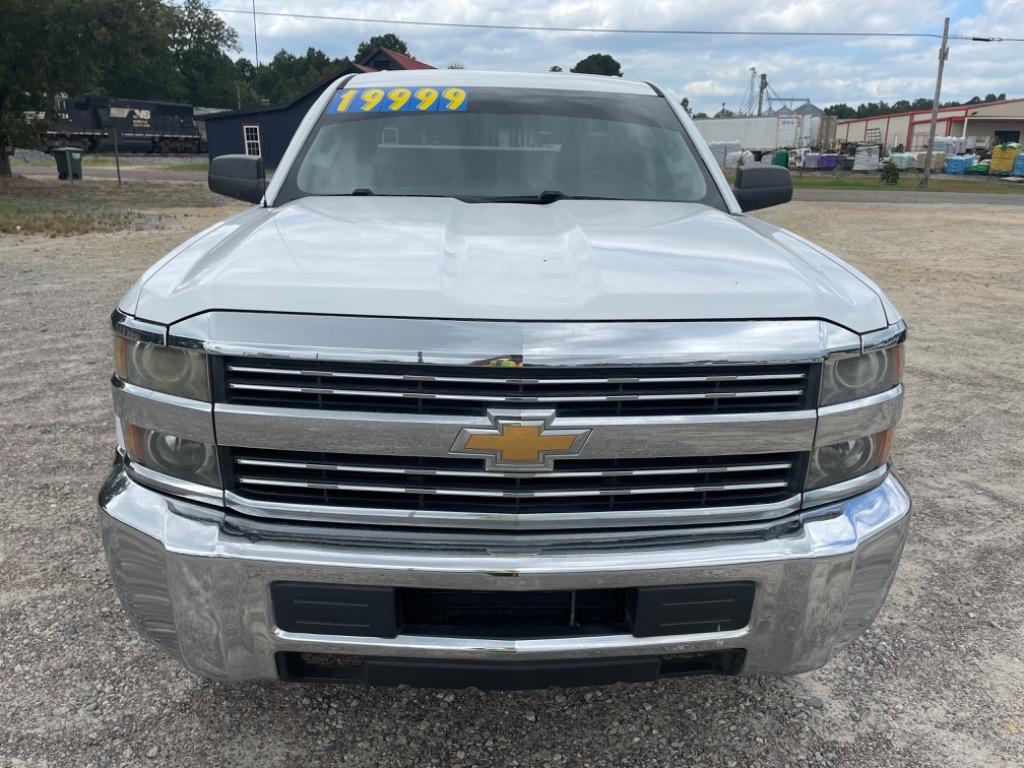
x=467, y=79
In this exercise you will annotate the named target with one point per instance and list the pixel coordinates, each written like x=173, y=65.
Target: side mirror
x=237, y=176
x=761, y=186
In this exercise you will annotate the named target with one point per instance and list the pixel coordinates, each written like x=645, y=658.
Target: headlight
x=850, y=378
x=171, y=370
x=845, y=460
x=172, y=455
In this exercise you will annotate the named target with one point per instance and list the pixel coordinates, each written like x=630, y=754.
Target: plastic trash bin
x=69, y=162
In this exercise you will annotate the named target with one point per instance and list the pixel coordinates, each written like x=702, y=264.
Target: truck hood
x=442, y=258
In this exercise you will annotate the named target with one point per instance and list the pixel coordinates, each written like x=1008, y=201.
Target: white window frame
x=250, y=144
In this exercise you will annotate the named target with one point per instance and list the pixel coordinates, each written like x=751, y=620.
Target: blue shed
x=267, y=131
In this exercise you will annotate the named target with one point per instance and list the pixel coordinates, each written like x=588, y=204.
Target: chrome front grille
x=470, y=390
x=448, y=491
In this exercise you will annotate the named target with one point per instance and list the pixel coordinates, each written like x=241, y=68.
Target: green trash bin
x=69, y=162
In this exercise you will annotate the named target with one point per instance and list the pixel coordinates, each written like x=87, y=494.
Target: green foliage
x=723, y=112
x=598, y=64
x=842, y=111
x=198, y=43
x=555, y=68
x=388, y=40
x=286, y=76
x=890, y=174
x=876, y=108
x=68, y=45
x=685, y=104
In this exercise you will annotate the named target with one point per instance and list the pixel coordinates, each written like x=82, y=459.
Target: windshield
x=499, y=144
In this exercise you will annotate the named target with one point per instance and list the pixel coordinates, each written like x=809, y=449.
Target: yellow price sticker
x=453, y=100
x=400, y=100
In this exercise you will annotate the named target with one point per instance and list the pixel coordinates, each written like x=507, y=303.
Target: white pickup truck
x=498, y=386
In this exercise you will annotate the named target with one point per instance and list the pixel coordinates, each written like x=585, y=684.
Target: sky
x=709, y=70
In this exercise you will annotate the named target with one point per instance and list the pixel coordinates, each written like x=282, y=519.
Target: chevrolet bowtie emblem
x=520, y=442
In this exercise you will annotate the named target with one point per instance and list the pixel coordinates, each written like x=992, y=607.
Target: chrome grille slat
x=523, y=380
x=494, y=473
x=483, y=493
x=442, y=521
x=516, y=398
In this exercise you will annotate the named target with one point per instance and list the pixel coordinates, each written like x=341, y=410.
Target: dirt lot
x=939, y=680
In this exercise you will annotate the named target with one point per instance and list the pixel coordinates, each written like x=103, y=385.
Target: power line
x=601, y=30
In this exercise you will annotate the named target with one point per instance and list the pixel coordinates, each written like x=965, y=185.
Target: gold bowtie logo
x=520, y=443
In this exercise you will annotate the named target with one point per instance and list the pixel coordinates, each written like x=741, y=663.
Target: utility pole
x=943, y=55
x=760, y=93
x=117, y=157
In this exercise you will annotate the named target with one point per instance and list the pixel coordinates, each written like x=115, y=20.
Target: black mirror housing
x=237, y=176
x=761, y=186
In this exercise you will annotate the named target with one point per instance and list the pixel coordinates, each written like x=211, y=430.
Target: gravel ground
x=938, y=681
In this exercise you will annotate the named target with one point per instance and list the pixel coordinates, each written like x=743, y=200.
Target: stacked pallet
x=1003, y=158
x=951, y=145
x=866, y=158
x=959, y=164
x=905, y=161
x=938, y=161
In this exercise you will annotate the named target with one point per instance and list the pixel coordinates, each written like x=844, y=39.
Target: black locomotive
x=88, y=122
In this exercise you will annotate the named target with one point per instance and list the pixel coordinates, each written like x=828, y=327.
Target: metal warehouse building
x=993, y=122
x=266, y=131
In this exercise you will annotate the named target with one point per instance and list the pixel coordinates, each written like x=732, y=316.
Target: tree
x=723, y=112
x=199, y=44
x=555, y=68
x=67, y=46
x=685, y=104
x=288, y=75
x=598, y=64
x=389, y=40
x=842, y=111
x=142, y=64
x=701, y=116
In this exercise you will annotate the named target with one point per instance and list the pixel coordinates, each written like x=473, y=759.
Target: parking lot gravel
x=938, y=680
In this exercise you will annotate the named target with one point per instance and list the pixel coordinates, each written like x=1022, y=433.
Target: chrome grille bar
x=525, y=380
x=474, y=492
x=518, y=475
x=501, y=521
x=478, y=397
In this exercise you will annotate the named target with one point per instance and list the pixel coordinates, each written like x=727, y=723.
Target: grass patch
x=908, y=183
x=29, y=206
x=90, y=160
x=203, y=166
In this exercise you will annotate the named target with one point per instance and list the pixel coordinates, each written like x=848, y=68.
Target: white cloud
x=704, y=88
x=707, y=69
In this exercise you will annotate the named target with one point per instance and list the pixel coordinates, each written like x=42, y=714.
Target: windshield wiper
x=545, y=197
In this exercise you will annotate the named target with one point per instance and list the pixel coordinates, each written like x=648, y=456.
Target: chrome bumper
x=202, y=594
